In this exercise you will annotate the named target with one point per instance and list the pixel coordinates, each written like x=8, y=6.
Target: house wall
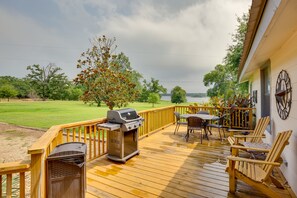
x=284, y=58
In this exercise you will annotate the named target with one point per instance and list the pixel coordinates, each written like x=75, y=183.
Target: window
x=265, y=92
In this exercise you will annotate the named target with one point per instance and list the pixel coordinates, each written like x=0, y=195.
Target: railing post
x=250, y=118
x=38, y=179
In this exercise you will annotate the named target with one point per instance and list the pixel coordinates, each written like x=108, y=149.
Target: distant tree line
x=194, y=95
x=42, y=82
x=104, y=76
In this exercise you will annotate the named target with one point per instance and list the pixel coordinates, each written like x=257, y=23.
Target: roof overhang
x=270, y=25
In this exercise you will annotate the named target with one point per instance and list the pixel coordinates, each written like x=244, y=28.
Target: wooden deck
x=168, y=167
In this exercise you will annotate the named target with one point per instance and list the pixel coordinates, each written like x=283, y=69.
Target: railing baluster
x=73, y=134
x=8, y=185
x=103, y=141
x=99, y=144
x=85, y=134
x=1, y=186
x=94, y=141
x=90, y=142
x=68, y=137
x=22, y=184
x=79, y=133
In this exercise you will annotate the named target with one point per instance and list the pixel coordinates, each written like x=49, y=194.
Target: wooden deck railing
x=96, y=140
x=236, y=118
x=12, y=178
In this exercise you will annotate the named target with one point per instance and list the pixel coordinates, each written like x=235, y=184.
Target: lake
x=189, y=99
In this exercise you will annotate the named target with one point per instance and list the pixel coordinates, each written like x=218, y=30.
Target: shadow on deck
x=168, y=167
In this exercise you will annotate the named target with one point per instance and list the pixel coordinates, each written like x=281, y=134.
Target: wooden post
x=232, y=179
x=38, y=179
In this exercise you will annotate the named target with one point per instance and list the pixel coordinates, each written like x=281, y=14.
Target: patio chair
x=253, y=139
x=254, y=136
x=219, y=125
x=194, y=123
x=257, y=173
x=178, y=121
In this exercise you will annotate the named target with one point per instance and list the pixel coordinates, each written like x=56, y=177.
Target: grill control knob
x=129, y=127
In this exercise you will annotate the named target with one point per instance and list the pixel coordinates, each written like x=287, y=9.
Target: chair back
x=195, y=122
x=177, y=116
x=222, y=119
x=260, y=129
x=276, y=150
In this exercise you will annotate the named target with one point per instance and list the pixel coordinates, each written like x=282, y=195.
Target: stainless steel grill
x=127, y=118
x=122, y=138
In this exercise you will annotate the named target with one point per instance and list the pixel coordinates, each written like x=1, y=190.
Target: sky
x=174, y=41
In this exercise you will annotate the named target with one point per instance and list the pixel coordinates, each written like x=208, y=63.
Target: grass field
x=44, y=114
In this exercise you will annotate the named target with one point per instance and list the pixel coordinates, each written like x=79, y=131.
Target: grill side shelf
x=109, y=126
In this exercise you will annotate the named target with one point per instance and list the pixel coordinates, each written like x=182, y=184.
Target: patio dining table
x=205, y=117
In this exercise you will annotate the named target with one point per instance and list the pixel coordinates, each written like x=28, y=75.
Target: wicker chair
x=178, y=122
x=219, y=125
x=194, y=123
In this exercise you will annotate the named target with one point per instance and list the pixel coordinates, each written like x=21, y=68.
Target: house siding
x=284, y=58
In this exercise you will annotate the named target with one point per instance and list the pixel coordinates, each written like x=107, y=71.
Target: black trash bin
x=66, y=170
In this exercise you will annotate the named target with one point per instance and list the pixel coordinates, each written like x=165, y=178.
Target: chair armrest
x=248, y=136
x=233, y=158
x=240, y=130
x=249, y=148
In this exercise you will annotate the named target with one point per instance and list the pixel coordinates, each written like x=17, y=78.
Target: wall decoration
x=255, y=97
x=283, y=94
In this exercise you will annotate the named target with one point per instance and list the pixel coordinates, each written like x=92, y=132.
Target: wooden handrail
x=87, y=132
x=238, y=118
x=44, y=141
x=9, y=169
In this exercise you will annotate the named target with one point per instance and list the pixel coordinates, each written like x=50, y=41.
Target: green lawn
x=44, y=114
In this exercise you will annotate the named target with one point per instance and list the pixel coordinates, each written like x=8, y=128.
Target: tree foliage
x=223, y=78
x=7, y=91
x=47, y=81
x=106, y=76
x=151, y=87
x=153, y=98
x=22, y=86
x=178, y=95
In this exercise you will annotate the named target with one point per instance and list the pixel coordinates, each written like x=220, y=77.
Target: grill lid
x=122, y=115
x=69, y=149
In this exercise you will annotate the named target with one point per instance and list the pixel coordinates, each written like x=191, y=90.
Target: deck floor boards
x=168, y=167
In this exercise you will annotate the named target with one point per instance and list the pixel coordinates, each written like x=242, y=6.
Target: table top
x=202, y=116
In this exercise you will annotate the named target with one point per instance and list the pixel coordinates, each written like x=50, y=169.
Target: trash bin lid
x=69, y=148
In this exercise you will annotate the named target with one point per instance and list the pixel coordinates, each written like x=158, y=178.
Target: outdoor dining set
x=256, y=170
x=202, y=120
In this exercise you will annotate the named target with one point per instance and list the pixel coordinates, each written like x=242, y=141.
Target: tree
x=47, y=81
x=223, y=78
x=21, y=85
x=153, y=98
x=151, y=87
x=106, y=76
x=178, y=95
x=73, y=93
x=7, y=91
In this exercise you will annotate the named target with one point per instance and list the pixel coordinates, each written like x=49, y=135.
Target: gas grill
x=122, y=126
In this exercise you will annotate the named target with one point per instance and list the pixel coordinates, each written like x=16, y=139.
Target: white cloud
x=174, y=41
x=192, y=40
